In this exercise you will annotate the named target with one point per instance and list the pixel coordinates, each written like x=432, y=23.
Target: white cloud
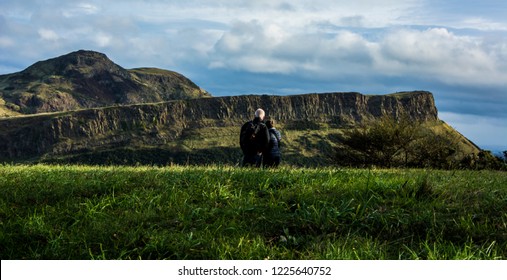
x=293, y=15
x=6, y=42
x=485, y=15
x=325, y=39
x=103, y=39
x=48, y=34
x=440, y=54
x=434, y=53
x=251, y=46
x=79, y=9
x=482, y=24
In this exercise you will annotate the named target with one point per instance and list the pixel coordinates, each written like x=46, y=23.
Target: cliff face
x=87, y=79
x=32, y=137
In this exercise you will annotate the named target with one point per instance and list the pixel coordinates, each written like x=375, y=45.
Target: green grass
x=219, y=212
x=202, y=146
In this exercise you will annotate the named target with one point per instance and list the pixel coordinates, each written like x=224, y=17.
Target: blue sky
x=456, y=49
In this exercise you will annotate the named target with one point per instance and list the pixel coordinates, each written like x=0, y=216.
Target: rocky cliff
x=159, y=124
x=87, y=79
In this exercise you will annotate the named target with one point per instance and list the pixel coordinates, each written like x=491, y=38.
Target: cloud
x=48, y=34
x=442, y=55
x=482, y=24
x=325, y=39
x=79, y=9
x=6, y=42
x=461, y=14
x=251, y=46
x=102, y=39
x=434, y=54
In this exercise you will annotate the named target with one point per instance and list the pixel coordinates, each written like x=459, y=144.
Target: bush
x=483, y=160
x=396, y=142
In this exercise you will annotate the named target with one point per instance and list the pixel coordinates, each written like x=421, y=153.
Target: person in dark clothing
x=272, y=157
x=254, y=140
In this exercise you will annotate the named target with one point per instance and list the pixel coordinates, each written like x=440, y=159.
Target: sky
x=456, y=49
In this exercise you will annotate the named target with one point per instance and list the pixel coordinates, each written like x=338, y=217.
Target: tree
x=381, y=142
x=434, y=150
x=396, y=141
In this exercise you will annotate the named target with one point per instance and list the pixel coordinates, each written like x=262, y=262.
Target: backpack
x=251, y=139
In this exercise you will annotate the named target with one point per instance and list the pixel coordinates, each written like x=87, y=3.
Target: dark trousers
x=252, y=160
x=271, y=160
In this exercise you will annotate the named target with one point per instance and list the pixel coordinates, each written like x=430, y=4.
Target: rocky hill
x=84, y=108
x=203, y=130
x=87, y=79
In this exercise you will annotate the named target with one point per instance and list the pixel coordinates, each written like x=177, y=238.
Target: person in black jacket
x=254, y=139
x=272, y=157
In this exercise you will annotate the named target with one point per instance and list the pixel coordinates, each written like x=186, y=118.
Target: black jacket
x=254, y=144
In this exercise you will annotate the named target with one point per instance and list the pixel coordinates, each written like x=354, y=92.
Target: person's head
x=259, y=113
x=269, y=122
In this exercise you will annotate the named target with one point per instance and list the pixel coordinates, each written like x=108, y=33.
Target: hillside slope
x=204, y=130
x=87, y=79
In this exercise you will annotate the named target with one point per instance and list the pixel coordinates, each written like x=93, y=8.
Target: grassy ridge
x=82, y=212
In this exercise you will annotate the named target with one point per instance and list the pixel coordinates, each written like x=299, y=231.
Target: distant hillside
x=87, y=79
x=206, y=130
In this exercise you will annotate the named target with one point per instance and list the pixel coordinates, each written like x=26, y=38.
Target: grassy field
x=218, y=212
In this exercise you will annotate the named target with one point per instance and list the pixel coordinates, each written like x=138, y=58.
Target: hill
x=82, y=107
x=206, y=130
x=88, y=79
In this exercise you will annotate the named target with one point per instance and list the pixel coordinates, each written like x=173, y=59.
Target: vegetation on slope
x=317, y=146
x=80, y=212
x=88, y=79
x=402, y=142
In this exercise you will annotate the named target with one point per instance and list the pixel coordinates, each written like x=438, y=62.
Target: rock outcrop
x=63, y=133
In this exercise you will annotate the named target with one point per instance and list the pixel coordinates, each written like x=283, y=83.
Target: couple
x=260, y=141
